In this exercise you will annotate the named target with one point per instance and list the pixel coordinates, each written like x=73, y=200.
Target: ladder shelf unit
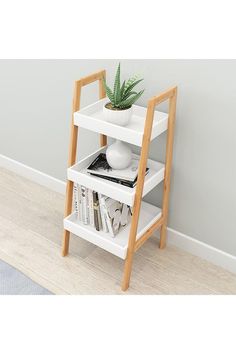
x=146, y=124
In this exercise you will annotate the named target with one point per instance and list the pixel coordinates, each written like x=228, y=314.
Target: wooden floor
x=30, y=238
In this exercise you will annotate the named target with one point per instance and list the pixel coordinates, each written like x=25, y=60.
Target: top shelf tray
x=92, y=118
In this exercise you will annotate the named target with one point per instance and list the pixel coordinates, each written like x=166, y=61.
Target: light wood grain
x=148, y=234
x=133, y=245
x=42, y=214
x=71, y=161
x=169, y=156
x=44, y=257
x=138, y=195
x=26, y=207
x=168, y=94
x=93, y=77
x=150, y=277
x=102, y=94
x=215, y=278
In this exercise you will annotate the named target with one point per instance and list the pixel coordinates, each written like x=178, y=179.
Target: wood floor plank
x=43, y=257
x=204, y=272
x=30, y=237
x=148, y=277
x=31, y=190
x=27, y=270
x=40, y=218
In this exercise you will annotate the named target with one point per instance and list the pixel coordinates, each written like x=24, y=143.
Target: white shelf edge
x=87, y=121
x=104, y=240
x=122, y=193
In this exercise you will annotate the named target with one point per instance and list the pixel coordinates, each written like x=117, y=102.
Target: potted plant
x=119, y=109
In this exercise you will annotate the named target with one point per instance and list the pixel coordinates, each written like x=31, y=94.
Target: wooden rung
x=148, y=234
x=163, y=96
x=91, y=78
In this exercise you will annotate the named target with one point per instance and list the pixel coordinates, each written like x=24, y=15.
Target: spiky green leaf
x=122, y=90
x=130, y=87
x=130, y=81
x=108, y=92
x=130, y=101
x=117, y=86
x=128, y=95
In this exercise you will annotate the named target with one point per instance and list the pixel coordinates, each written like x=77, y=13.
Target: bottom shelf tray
x=117, y=245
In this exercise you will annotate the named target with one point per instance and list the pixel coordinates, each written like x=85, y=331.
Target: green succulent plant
x=122, y=96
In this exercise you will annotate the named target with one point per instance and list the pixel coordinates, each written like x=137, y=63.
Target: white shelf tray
x=78, y=174
x=92, y=118
x=117, y=245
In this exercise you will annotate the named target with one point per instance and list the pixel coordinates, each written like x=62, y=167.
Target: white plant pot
x=119, y=155
x=119, y=117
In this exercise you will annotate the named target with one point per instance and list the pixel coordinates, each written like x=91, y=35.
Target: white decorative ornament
x=119, y=155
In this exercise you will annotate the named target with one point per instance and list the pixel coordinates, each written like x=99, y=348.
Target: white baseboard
x=189, y=244
x=32, y=174
x=201, y=249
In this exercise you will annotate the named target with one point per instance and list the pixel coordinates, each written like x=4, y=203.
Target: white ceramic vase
x=119, y=117
x=119, y=155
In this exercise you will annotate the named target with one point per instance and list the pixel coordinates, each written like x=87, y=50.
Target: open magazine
x=100, y=168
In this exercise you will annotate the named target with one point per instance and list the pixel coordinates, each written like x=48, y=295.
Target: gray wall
x=35, y=108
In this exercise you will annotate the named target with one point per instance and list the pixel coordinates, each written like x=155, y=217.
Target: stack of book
x=99, y=211
x=127, y=177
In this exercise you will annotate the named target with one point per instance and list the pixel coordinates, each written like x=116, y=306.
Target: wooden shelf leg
x=102, y=94
x=103, y=140
x=68, y=209
x=138, y=195
x=127, y=270
x=69, y=189
x=73, y=144
x=133, y=232
x=163, y=236
x=169, y=155
x=72, y=158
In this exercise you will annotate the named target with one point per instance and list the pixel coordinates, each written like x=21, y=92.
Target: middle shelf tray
x=78, y=174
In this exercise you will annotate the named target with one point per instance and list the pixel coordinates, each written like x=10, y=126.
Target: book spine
x=95, y=210
x=90, y=203
x=76, y=200
x=87, y=205
x=107, y=217
x=80, y=203
x=85, y=215
x=99, y=217
x=101, y=205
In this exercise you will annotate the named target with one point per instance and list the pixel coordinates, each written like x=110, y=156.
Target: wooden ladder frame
x=133, y=244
